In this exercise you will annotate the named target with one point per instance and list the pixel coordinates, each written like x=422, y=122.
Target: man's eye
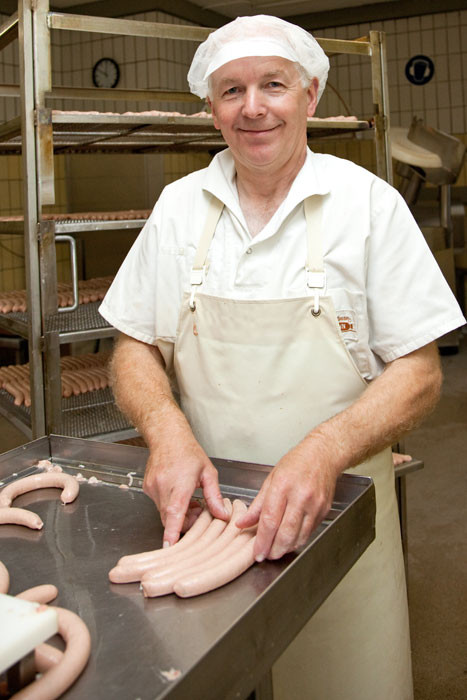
x=275, y=84
x=231, y=91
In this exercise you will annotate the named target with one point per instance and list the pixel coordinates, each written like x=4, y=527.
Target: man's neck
x=261, y=193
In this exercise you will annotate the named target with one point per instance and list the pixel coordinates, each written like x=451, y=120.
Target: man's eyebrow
x=224, y=81
x=274, y=74
x=279, y=73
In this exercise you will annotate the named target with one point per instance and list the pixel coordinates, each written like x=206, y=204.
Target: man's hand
x=293, y=500
x=175, y=468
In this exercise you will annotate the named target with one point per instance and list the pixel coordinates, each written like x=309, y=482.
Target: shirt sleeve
x=409, y=301
x=129, y=304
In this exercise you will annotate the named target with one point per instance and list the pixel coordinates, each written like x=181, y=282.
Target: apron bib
x=254, y=378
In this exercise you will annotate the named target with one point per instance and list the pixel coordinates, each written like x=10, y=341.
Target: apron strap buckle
x=316, y=280
x=197, y=278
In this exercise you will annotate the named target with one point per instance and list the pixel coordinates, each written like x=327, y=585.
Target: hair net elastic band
x=244, y=49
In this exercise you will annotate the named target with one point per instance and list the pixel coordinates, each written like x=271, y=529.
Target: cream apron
x=254, y=378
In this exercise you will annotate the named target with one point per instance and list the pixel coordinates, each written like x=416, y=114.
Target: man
x=299, y=335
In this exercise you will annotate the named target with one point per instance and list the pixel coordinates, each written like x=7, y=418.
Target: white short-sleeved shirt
x=388, y=292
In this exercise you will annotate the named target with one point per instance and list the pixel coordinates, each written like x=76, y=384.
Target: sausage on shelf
x=17, y=393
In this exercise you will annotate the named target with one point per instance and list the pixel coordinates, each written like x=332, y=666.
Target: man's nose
x=253, y=105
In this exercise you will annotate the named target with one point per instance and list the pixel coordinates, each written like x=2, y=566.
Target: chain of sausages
x=79, y=374
x=212, y=553
x=88, y=290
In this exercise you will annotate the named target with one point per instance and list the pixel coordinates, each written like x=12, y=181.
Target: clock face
x=106, y=73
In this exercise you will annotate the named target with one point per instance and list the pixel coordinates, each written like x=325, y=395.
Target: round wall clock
x=106, y=73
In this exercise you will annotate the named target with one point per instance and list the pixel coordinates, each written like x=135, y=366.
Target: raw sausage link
x=46, y=656
x=41, y=481
x=19, y=377
x=166, y=576
x=16, y=392
x=79, y=380
x=42, y=594
x=133, y=572
x=60, y=677
x=216, y=576
x=20, y=516
x=67, y=388
x=68, y=376
x=4, y=578
x=195, y=531
x=102, y=375
x=89, y=381
x=153, y=587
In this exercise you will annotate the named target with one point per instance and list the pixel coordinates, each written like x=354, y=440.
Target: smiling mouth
x=259, y=131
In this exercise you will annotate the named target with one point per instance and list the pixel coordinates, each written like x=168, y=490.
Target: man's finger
x=253, y=513
x=271, y=517
x=287, y=536
x=174, y=517
x=308, y=525
x=152, y=493
x=212, y=495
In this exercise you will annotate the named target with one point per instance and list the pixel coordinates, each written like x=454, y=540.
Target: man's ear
x=213, y=112
x=312, y=97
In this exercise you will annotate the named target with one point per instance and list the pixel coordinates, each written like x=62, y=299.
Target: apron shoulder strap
x=315, y=275
x=212, y=218
x=198, y=271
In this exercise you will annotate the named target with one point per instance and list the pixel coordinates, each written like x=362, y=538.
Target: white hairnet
x=260, y=35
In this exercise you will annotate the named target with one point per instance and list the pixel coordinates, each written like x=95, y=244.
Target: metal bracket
x=74, y=271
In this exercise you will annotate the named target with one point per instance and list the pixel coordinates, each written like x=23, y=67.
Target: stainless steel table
x=224, y=642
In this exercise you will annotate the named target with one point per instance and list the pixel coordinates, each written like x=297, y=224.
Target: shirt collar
x=311, y=179
x=220, y=181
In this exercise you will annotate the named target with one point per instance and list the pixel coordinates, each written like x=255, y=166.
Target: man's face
x=261, y=107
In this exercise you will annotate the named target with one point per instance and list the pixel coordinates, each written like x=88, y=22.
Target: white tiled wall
x=442, y=102
x=144, y=63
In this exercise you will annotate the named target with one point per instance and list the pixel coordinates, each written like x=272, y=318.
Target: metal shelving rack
x=40, y=132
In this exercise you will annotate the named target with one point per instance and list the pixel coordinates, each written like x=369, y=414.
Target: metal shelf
x=20, y=416
x=92, y=415
x=15, y=322
x=75, y=132
x=72, y=224
x=85, y=323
